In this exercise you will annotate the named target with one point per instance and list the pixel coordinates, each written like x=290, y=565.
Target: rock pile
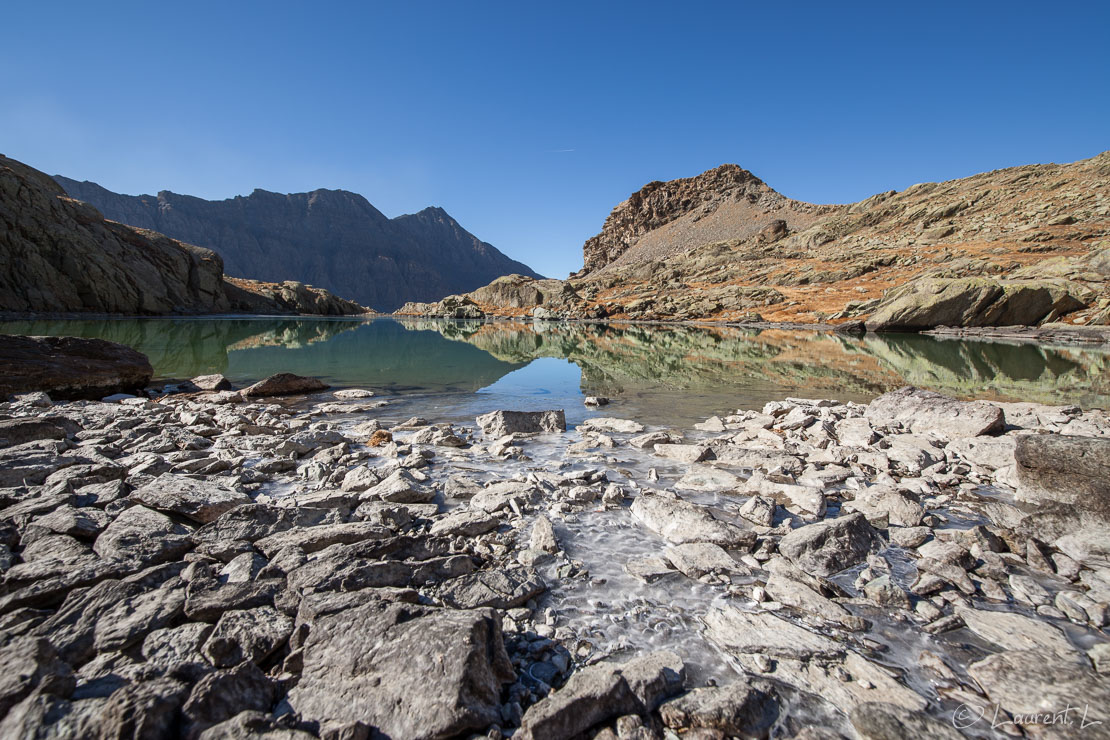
x=212, y=565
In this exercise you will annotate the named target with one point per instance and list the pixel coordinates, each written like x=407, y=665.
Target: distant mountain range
x=331, y=239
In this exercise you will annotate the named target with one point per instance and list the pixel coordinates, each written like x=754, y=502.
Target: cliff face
x=330, y=238
x=58, y=254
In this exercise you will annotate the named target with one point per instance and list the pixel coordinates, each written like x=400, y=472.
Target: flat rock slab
x=1032, y=682
x=612, y=424
x=1013, y=631
x=696, y=559
x=923, y=412
x=499, y=423
x=500, y=589
x=284, y=384
x=684, y=453
x=407, y=670
x=806, y=660
x=679, y=522
x=1071, y=470
x=251, y=522
x=70, y=367
x=201, y=500
x=601, y=692
x=828, y=547
x=19, y=431
x=144, y=535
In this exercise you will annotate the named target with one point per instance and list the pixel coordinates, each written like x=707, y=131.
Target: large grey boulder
x=20, y=431
x=70, y=367
x=922, y=412
x=1032, y=682
x=500, y=589
x=828, y=547
x=499, y=423
x=284, y=384
x=1058, y=469
x=929, y=302
x=252, y=522
x=883, y=721
x=246, y=634
x=601, y=692
x=736, y=710
x=409, y=671
x=145, y=535
x=679, y=521
x=30, y=664
x=201, y=500
x=222, y=695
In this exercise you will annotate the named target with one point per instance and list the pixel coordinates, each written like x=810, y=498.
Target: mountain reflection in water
x=718, y=368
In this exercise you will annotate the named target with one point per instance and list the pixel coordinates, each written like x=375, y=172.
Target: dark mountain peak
x=334, y=239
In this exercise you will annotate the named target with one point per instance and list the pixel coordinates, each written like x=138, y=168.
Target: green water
x=658, y=373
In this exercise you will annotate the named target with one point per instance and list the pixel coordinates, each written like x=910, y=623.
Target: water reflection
x=696, y=369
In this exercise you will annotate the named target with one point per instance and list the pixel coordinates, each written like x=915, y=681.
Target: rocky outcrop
x=331, y=238
x=970, y=302
x=70, y=367
x=58, y=254
x=726, y=202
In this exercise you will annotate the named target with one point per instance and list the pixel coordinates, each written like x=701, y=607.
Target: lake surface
x=659, y=375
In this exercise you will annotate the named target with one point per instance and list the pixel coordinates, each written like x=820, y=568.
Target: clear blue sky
x=528, y=122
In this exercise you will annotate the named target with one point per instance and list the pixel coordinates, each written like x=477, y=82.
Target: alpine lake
x=657, y=375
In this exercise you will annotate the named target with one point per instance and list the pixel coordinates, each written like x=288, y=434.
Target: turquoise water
x=664, y=375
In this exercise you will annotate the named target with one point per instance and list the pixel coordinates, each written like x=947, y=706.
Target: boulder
x=923, y=412
x=696, y=559
x=214, y=382
x=1040, y=682
x=736, y=710
x=828, y=547
x=145, y=535
x=926, y=303
x=200, y=500
x=253, y=725
x=70, y=367
x=221, y=695
x=1069, y=470
x=409, y=671
x=804, y=659
x=500, y=589
x=284, y=384
x=251, y=522
x=144, y=709
x=679, y=521
x=602, y=692
x=30, y=664
x=29, y=429
x=500, y=423
x=1013, y=631
x=246, y=634
x=883, y=721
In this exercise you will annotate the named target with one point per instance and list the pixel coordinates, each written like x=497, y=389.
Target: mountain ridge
x=60, y=255
x=332, y=238
x=1024, y=245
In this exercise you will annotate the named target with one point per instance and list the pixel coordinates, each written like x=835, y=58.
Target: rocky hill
x=1026, y=245
x=331, y=238
x=58, y=254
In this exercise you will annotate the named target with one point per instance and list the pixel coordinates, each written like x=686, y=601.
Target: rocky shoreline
x=223, y=563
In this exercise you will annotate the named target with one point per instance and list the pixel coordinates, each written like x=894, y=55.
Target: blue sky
x=528, y=122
